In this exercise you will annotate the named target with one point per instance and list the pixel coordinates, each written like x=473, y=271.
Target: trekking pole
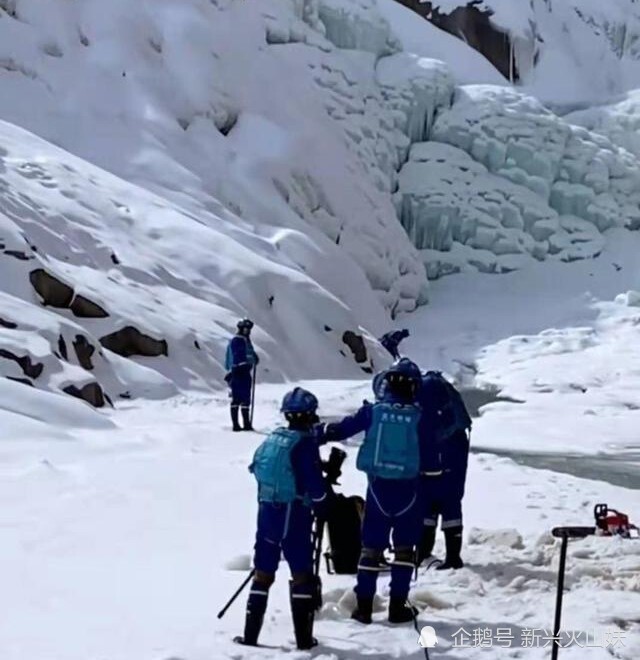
x=564, y=533
x=231, y=600
x=253, y=393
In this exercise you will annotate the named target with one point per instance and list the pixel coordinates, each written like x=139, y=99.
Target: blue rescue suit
x=240, y=360
x=287, y=468
x=392, y=499
x=444, y=459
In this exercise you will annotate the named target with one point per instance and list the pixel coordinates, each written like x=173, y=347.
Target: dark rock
x=24, y=381
x=18, y=255
x=367, y=370
x=474, y=27
x=84, y=350
x=130, y=341
x=86, y=309
x=196, y=344
x=327, y=328
x=8, y=324
x=29, y=368
x=62, y=347
x=114, y=259
x=91, y=393
x=53, y=292
x=356, y=344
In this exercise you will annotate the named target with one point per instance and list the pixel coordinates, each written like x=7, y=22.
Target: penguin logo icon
x=428, y=638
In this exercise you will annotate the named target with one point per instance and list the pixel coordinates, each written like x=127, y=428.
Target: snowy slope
x=236, y=158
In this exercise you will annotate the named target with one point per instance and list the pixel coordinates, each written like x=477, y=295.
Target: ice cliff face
x=303, y=162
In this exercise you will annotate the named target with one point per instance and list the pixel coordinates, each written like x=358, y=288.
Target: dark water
x=617, y=469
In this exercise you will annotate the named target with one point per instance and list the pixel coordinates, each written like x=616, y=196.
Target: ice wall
x=504, y=180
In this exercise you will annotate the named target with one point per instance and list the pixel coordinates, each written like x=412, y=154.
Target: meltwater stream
x=621, y=469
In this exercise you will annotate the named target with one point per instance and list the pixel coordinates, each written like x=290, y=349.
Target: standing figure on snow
x=390, y=456
x=240, y=363
x=444, y=440
x=391, y=341
x=290, y=490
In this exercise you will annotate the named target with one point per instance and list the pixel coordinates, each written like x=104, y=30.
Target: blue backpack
x=453, y=415
x=273, y=469
x=391, y=448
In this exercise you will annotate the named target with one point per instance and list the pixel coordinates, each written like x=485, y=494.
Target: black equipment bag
x=345, y=534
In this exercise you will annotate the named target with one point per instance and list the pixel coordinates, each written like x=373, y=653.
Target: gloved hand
x=228, y=377
x=317, y=432
x=256, y=360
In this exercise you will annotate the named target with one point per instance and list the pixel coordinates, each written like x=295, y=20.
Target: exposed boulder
x=356, y=344
x=29, y=368
x=84, y=308
x=130, y=341
x=473, y=25
x=55, y=293
x=84, y=350
x=91, y=393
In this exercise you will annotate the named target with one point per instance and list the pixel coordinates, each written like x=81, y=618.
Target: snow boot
x=234, y=418
x=425, y=547
x=256, y=607
x=453, y=542
x=246, y=419
x=363, y=610
x=302, y=612
x=400, y=611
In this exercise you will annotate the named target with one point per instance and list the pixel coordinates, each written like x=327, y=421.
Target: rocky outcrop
x=356, y=344
x=30, y=368
x=472, y=24
x=91, y=393
x=55, y=293
x=130, y=341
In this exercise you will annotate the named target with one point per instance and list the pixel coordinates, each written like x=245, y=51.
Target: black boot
x=363, y=610
x=453, y=542
x=234, y=418
x=246, y=419
x=400, y=611
x=302, y=612
x=256, y=607
x=427, y=541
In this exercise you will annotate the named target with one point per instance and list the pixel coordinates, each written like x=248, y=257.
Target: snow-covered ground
x=118, y=545
x=123, y=542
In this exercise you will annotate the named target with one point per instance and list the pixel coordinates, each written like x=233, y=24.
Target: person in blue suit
x=391, y=341
x=444, y=440
x=240, y=361
x=291, y=489
x=390, y=456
